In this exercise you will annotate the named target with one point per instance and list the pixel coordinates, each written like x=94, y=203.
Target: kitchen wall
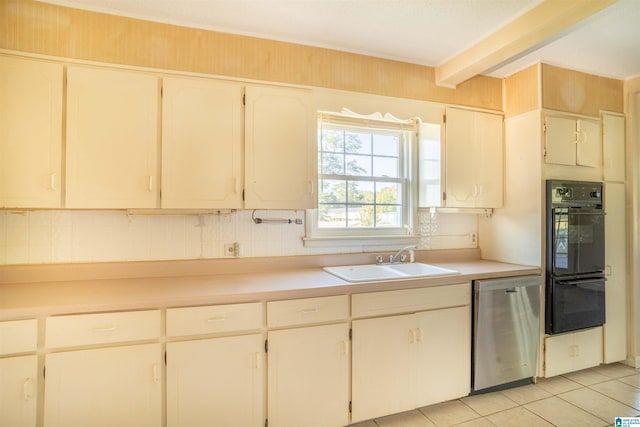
x=32, y=237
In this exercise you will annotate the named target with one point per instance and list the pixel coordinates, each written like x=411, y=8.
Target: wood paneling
x=580, y=93
x=522, y=91
x=42, y=28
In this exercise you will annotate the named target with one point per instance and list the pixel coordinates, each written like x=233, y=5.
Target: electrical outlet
x=231, y=249
x=474, y=238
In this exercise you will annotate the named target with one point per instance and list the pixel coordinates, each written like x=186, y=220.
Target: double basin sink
x=376, y=272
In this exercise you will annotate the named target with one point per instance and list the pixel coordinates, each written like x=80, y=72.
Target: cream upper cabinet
x=615, y=327
x=112, y=139
x=280, y=148
x=572, y=141
x=613, y=147
x=474, y=159
x=201, y=143
x=30, y=133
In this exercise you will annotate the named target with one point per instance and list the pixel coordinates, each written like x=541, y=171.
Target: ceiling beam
x=521, y=35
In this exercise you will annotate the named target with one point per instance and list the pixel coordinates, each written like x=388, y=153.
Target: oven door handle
x=602, y=213
x=580, y=282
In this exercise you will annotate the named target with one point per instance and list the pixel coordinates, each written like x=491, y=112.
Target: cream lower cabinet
x=572, y=351
x=405, y=361
x=308, y=367
x=18, y=374
x=118, y=386
x=30, y=133
x=216, y=381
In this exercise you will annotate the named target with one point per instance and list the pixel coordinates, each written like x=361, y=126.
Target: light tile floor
x=592, y=397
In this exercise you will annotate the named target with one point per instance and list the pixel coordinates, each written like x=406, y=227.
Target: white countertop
x=35, y=297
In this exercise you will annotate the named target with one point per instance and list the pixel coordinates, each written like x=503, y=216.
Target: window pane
x=332, y=216
x=354, y=216
x=386, y=145
x=358, y=142
x=388, y=193
x=332, y=140
x=388, y=216
x=332, y=163
x=358, y=165
x=333, y=191
x=360, y=192
x=386, y=166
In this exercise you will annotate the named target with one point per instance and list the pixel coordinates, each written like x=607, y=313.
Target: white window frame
x=342, y=236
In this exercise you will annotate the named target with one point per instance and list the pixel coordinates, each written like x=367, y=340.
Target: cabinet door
x=474, y=159
x=615, y=327
x=18, y=391
x=30, y=133
x=216, y=382
x=489, y=161
x=118, y=386
x=444, y=355
x=112, y=139
x=572, y=351
x=280, y=149
x=589, y=146
x=613, y=147
x=383, y=366
x=560, y=140
x=461, y=158
x=201, y=144
x=309, y=376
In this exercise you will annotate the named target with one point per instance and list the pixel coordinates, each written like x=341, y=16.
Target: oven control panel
x=574, y=193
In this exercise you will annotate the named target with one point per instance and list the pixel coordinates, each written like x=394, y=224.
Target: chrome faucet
x=400, y=253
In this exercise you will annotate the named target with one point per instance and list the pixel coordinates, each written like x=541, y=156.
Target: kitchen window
x=365, y=176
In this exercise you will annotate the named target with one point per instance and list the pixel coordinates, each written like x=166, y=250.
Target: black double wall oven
x=575, y=282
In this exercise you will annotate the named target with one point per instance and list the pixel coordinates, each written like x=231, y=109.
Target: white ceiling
x=426, y=32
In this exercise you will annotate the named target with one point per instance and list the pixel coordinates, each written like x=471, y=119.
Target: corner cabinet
x=201, y=143
x=402, y=357
x=112, y=139
x=30, y=133
x=280, y=148
x=474, y=159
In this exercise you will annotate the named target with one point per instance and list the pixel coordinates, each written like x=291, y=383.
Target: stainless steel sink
x=377, y=272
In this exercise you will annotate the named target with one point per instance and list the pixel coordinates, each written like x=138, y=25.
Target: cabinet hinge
x=350, y=334
x=350, y=406
x=266, y=422
x=444, y=118
x=244, y=99
x=444, y=196
x=266, y=346
x=44, y=372
x=165, y=358
x=243, y=195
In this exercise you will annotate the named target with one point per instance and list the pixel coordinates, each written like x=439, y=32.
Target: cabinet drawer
x=410, y=300
x=308, y=310
x=18, y=336
x=212, y=319
x=86, y=329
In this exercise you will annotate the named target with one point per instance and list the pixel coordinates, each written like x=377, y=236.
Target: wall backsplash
x=35, y=237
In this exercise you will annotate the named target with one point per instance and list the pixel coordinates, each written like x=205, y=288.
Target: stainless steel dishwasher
x=506, y=331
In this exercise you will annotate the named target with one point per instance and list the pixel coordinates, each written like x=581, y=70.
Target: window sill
x=345, y=241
